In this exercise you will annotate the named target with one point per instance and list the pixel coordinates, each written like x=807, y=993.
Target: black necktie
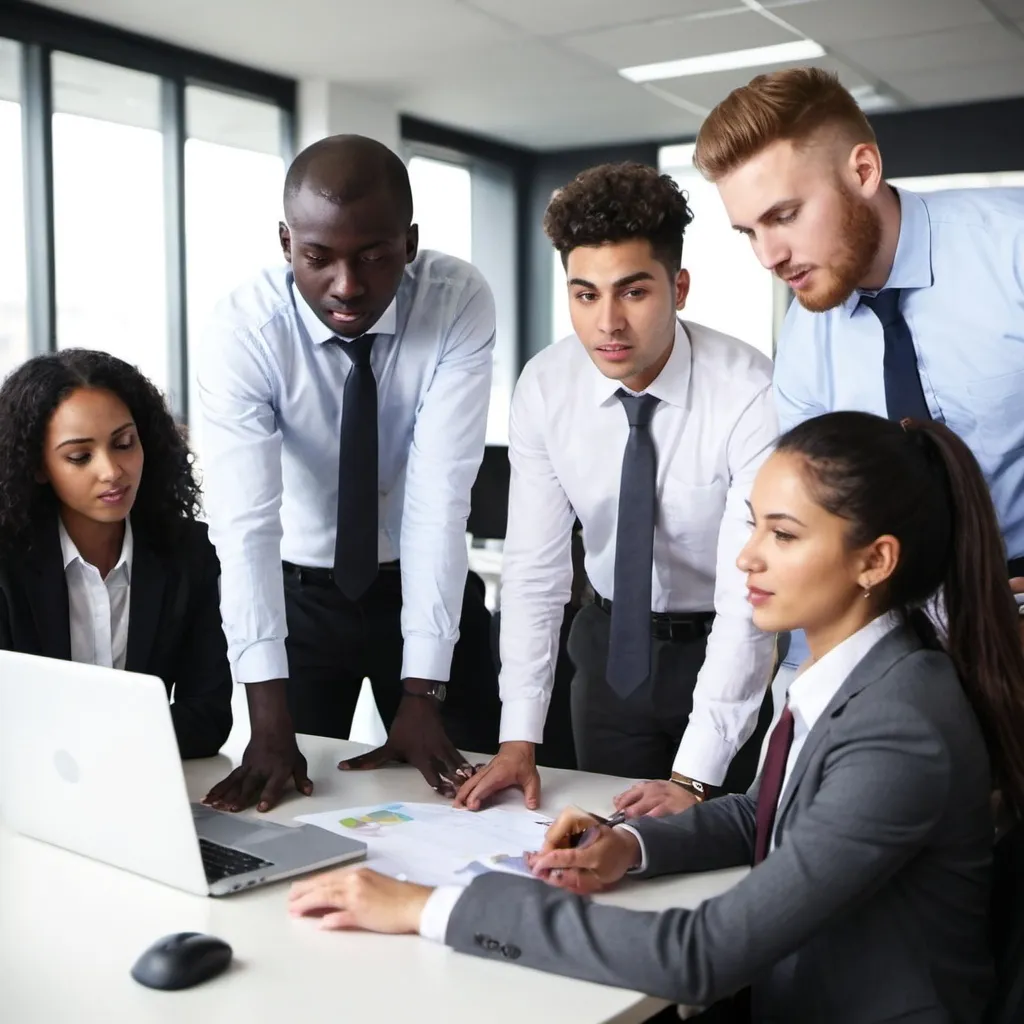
x=629, y=647
x=904, y=396
x=355, y=545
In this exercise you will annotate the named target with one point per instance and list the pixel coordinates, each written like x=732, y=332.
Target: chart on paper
x=438, y=845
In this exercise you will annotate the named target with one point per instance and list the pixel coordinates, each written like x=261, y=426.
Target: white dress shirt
x=714, y=426
x=98, y=608
x=270, y=389
x=809, y=694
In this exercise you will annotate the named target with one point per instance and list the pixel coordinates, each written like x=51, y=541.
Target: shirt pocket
x=690, y=514
x=998, y=407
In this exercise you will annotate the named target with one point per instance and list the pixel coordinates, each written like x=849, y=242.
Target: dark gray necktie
x=629, y=648
x=355, y=545
x=904, y=396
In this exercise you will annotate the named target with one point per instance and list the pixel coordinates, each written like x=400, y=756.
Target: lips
x=757, y=597
x=114, y=496
x=615, y=352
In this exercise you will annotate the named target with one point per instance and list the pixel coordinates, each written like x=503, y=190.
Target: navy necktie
x=355, y=545
x=769, y=790
x=629, y=646
x=904, y=396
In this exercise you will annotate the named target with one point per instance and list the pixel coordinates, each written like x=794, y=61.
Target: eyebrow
x=640, y=275
x=87, y=440
x=773, y=211
x=775, y=517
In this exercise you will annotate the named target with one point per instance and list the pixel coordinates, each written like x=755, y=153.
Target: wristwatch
x=701, y=790
x=425, y=688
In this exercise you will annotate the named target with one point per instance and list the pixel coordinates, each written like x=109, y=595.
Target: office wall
x=326, y=108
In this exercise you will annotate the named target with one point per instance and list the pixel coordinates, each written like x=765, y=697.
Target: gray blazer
x=872, y=907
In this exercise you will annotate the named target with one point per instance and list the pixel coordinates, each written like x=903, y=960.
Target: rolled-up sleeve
x=241, y=461
x=447, y=447
x=732, y=681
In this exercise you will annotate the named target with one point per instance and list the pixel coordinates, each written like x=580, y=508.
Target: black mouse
x=181, y=961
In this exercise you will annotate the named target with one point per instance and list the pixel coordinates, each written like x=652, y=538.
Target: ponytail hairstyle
x=918, y=482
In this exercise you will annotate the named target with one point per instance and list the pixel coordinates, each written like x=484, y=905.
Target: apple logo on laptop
x=66, y=765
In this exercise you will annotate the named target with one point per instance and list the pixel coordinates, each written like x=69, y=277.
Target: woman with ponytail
x=869, y=829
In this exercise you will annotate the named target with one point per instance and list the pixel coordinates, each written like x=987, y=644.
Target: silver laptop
x=89, y=762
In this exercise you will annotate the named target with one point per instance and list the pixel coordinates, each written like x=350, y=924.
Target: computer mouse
x=181, y=961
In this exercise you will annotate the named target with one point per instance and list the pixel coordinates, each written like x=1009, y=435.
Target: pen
x=588, y=835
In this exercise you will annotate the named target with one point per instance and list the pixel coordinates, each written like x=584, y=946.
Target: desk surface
x=70, y=929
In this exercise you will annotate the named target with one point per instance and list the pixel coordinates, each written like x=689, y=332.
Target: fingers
x=368, y=761
x=271, y=795
x=564, y=858
x=644, y=805
x=321, y=897
x=1017, y=584
x=627, y=799
x=338, y=920
x=532, y=791
x=484, y=784
x=571, y=822
x=226, y=789
x=303, y=783
x=247, y=792
x=660, y=810
x=581, y=882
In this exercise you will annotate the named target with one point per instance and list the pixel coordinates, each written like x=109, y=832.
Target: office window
x=468, y=210
x=14, y=346
x=109, y=251
x=730, y=291
x=234, y=175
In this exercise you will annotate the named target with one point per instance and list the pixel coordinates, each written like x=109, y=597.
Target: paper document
x=437, y=845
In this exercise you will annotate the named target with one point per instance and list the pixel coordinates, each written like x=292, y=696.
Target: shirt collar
x=319, y=332
x=812, y=691
x=671, y=385
x=912, y=264
x=71, y=554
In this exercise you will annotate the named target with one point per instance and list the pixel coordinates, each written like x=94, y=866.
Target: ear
x=682, y=288
x=865, y=168
x=878, y=562
x=412, y=242
x=286, y=240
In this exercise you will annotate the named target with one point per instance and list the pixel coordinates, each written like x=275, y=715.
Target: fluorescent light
x=870, y=99
x=759, y=56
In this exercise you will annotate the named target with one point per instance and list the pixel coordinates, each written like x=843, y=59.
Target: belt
x=323, y=577
x=674, y=626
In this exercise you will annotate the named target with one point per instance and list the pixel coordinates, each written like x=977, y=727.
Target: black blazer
x=174, y=625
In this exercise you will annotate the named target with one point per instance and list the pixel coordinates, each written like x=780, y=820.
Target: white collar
x=812, y=691
x=671, y=385
x=72, y=554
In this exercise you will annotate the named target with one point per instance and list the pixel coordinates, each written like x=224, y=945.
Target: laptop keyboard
x=224, y=862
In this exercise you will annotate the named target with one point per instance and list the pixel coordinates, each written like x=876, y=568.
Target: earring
x=867, y=591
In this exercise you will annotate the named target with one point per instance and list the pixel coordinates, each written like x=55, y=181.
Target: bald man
x=344, y=401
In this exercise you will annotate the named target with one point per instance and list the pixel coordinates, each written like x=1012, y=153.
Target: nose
x=610, y=318
x=771, y=251
x=346, y=285
x=749, y=559
x=108, y=469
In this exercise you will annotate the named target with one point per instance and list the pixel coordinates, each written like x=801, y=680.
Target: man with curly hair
x=650, y=430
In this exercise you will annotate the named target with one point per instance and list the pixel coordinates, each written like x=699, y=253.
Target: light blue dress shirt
x=271, y=380
x=960, y=264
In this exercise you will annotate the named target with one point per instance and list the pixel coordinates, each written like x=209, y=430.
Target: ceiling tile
x=840, y=21
x=566, y=17
x=962, y=85
x=683, y=37
x=708, y=90
x=973, y=44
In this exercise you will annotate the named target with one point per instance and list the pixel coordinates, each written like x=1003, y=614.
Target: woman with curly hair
x=101, y=562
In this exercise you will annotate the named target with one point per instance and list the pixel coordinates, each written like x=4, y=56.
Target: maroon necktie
x=772, y=774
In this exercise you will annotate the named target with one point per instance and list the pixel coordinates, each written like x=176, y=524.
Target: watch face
x=440, y=691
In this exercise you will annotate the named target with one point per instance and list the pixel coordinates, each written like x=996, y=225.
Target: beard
x=860, y=232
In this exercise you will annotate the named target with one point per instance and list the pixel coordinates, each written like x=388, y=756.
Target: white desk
x=71, y=928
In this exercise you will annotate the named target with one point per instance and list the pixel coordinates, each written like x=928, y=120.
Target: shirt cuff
x=437, y=911
x=425, y=657
x=703, y=754
x=260, y=662
x=643, y=850
x=523, y=720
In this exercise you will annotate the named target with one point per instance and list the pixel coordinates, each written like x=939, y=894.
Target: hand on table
x=655, y=798
x=272, y=758
x=513, y=765
x=417, y=737
x=594, y=865
x=360, y=898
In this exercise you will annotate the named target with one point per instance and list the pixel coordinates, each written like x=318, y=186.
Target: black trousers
x=638, y=736
x=334, y=643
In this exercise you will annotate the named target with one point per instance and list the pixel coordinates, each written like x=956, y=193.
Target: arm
x=242, y=476
x=536, y=579
x=731, y=683
x=202, y=678
x=858, y=832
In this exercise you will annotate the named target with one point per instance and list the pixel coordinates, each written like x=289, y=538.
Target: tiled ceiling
x=543, y=73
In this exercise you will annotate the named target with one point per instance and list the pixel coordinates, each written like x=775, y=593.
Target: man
x=650, y=430
x=344, y=399
x=906, y=305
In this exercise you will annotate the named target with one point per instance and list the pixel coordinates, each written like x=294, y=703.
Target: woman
x=870, y=827
x=100, y=560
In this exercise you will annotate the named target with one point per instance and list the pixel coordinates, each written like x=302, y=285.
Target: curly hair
x=617, y=203
x=168, y=492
